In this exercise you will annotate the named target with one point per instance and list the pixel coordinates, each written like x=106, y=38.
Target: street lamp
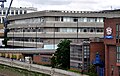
x=112, y=68
x=76, y=20
x=77, y=30
x=23, y=36
x=36, y=36
x=54, y=36
x=53, y=64
x=13, y=37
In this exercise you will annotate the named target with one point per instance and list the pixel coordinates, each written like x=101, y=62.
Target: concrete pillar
x=10, y=55
x=0, y=54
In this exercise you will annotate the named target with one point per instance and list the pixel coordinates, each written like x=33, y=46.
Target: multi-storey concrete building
x=79, y=56
x=13, y=11
x=47, y=28
x=83, y=53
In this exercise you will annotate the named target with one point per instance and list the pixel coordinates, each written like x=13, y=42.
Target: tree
x=14, y=56
x=62, y=55
x=92, y=71
x=53, y=61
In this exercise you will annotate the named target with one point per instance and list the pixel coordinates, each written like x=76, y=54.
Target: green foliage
x=53, y=62
x=62, y=55
x=92, y=71
x=8, y=56
x=92, y=74
x=14, y=56
x=76, y=71
x=92, y=68
x=3, y=54
x=19, y=72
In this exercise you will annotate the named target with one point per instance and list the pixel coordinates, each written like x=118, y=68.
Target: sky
x=73, y=5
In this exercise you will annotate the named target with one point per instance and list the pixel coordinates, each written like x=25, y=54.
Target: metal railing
x=37, y=68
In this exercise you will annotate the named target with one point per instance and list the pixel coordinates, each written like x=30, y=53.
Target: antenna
x=111, y=7
x=2, y=5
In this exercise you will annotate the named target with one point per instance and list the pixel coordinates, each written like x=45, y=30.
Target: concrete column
x=2, y=12
x=0, y=54
x=18, y=12
x=14, y=12
x=1, y=20
x=10, y=55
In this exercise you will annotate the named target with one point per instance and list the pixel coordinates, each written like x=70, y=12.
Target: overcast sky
x=77, y=5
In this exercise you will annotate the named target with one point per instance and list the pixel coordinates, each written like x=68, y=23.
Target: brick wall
x=97, y=47
x=42, y=59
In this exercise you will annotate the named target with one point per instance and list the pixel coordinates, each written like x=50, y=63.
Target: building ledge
x=117, y=64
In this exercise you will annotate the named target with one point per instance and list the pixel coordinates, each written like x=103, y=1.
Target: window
x=31, y=20
x=66, y=19
x=45, y=59
x=85, y=30
x=118, y=33
x=98, y=30
x=68, y=30
x=91, y=19
x=62, y=19
x=99, y=19
x=25, y=11
x=85, y=19
x=118, y=54
x=0, y=20
x=12, y=12
x=91, y=30
x=0, y=12
x=57, y=18
x=20, y=11
x=75, y=20
x=63, y=30
x=16, y=12
x=80, y=19
x=4, y=12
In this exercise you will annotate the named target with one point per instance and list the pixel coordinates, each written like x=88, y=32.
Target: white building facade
x=15, y=11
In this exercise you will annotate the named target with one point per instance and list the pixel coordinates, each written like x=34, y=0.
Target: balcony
x=56, y=34
x=25, y=44
x=58, y=24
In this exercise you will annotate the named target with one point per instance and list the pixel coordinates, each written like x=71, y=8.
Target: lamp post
x=54, y=36
x=77, y=30
x=76, y=20
x=36, y=36
x=112, y=69
x=53, y=63
x=13, y=37
x=23, y=36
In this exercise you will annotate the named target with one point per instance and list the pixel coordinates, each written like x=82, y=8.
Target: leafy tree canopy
x=62, y=55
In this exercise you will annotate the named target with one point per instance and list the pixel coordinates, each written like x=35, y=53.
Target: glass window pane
x=116, y=27
x=119, y=49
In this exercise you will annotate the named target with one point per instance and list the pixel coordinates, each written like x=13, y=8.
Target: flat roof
x=26, y=50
